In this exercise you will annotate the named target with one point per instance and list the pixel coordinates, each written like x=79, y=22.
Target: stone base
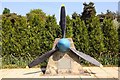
x=64, y=63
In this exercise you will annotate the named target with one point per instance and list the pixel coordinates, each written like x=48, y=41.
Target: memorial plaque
x=64, y=63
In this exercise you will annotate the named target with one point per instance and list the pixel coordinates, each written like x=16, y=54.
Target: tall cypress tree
x=119, y=46
x=80, y=35
x=95, y=36
x=52, y=31
x=36, y=23
x=14, y=39
x=111, y=35
x=69, y=28
x=119, y=37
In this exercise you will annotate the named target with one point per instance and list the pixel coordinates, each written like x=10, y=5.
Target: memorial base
x=64, y=63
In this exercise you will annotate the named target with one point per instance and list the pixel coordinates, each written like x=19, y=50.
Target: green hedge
x=24, y=38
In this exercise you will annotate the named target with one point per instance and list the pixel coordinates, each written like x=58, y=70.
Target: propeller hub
x=63, y=45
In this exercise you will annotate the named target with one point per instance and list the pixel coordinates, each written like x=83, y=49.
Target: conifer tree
x=75, y=15
x=80, y=35
x=111, y=35
x=36, y=17
x=95, y=36
x=36, y=23
x=69, y=27
x=119, y=46
x=6, y=11
x=14, y=39
x=119, y=37
x=52, y=31
x=88, y=11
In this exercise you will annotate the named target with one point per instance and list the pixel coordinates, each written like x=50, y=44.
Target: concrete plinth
x=64, y=63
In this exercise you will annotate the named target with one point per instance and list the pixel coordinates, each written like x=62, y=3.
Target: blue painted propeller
x=63, y=45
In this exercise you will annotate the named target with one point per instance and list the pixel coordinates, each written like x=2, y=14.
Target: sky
x=50, y=8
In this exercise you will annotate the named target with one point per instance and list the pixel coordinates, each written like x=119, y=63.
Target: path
x=95, y=72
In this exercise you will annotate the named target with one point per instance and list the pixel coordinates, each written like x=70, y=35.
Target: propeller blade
x=63, y=20
x=86, y=57
x=42, y=58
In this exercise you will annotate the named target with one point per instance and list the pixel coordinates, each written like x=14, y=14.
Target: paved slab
x=95, y=72
x=21, y=73
x=106, y=72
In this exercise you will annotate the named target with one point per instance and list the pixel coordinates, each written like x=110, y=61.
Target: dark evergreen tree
x=6, y=11
x=75, y=15
x=88, y=11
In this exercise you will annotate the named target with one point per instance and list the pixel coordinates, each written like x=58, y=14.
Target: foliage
x=6, y=11
x=69, y=28
x=119, y=37
x=88, y=11
x=110, y=15
x=14, y=40
x=35, y=17
x=80, y=35
x=118, y=16
x=24, y=38
x=111, y=36
x=95, y=36
x=75, y=15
